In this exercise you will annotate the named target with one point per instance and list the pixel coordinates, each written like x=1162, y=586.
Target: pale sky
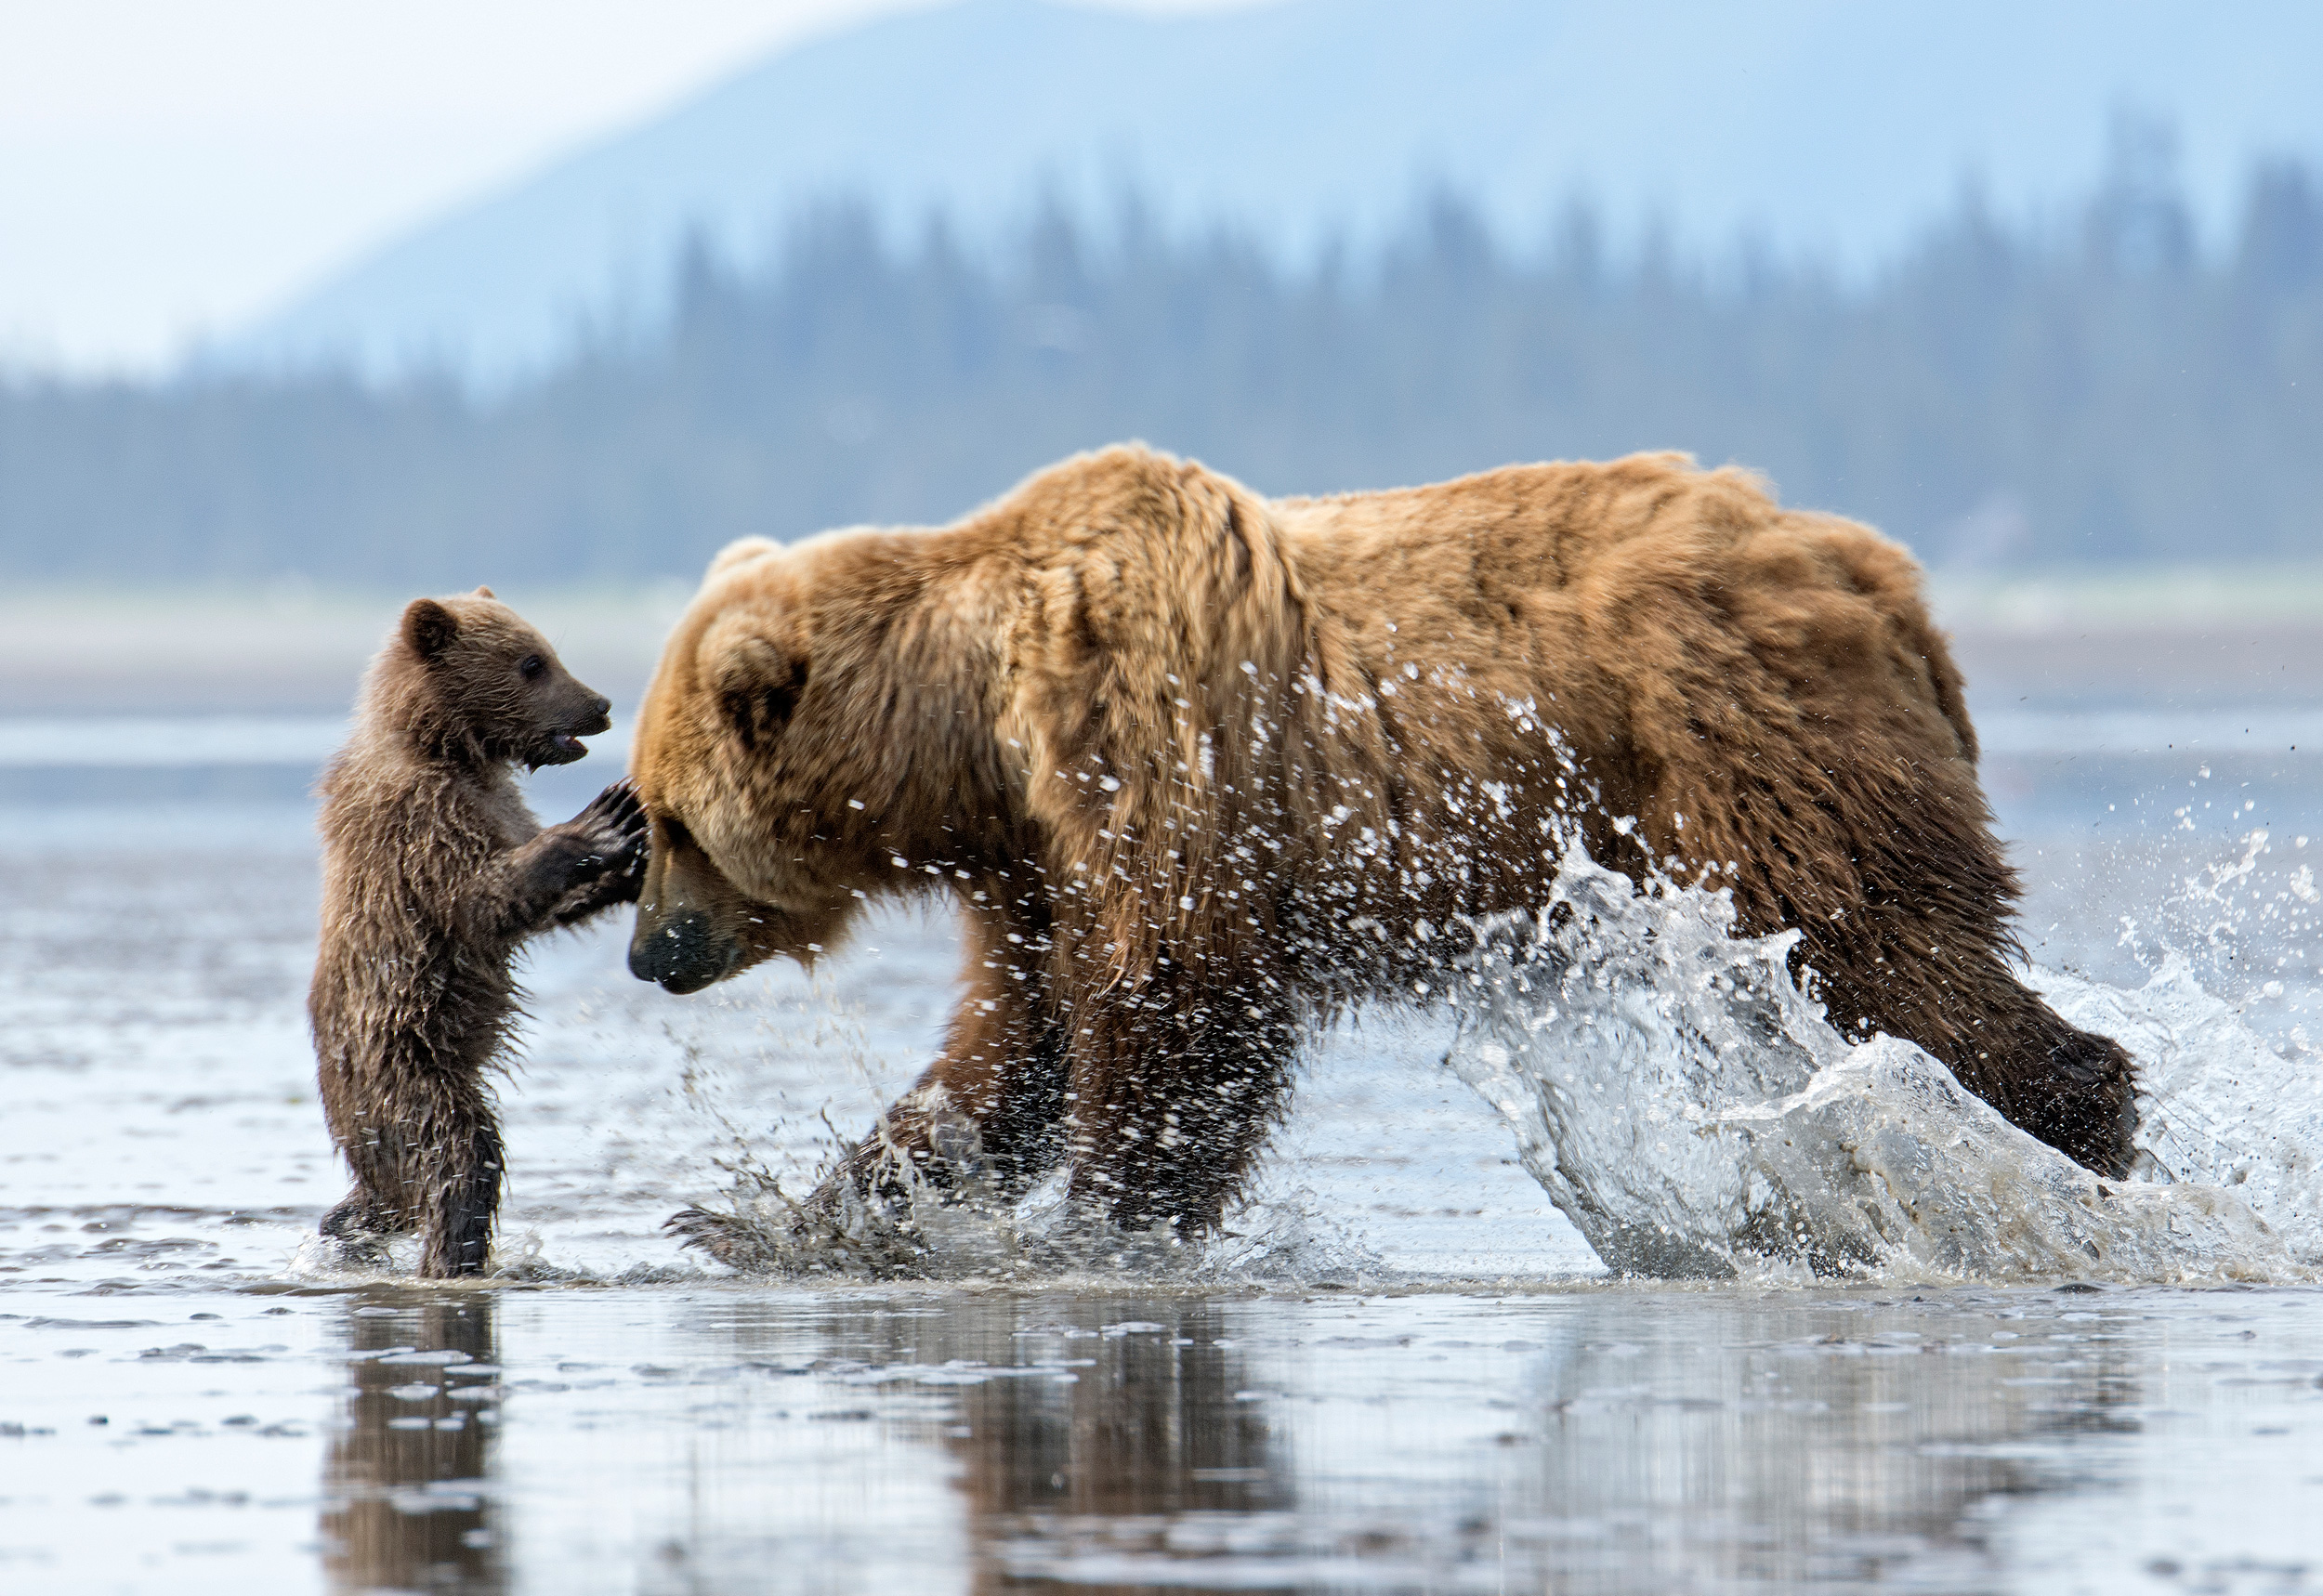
x=169, y=168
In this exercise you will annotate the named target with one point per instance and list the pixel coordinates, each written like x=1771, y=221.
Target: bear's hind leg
x=461, y=1200
x=2064, y=1086
x=1904, y=898
x=2076, y=1092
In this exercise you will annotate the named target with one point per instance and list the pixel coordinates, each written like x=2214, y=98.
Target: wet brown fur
x=1196, y=767
x=434, y=871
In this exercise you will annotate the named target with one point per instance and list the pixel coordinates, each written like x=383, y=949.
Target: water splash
x=2219, y=1104
x=958, y=1227
x=1694, y=1113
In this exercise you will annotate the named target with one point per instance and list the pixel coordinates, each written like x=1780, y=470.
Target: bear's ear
x=482, y=592
x=759, y=687
x=737, y=551
x=428, y=627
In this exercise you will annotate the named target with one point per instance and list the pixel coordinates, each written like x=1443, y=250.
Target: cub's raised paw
x=613, y=829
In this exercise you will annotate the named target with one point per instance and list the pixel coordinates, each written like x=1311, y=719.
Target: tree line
x=2095, y=388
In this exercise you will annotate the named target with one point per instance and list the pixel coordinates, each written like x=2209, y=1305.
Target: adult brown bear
x=1199, y=767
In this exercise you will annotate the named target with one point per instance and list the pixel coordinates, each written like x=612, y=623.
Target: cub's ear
x=482, y=592
x=428, y=627
x=758, y=686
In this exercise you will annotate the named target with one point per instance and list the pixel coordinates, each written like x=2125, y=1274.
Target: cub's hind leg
x=462, y=1199
x=379, y=1206
x=359, y=1213
x=357, y=1226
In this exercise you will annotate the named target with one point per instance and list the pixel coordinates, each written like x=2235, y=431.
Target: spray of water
x=950, y=1223
x=1694, y=1113
x=2220, y=1105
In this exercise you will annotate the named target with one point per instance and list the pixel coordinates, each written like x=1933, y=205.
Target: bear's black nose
x=683, y=953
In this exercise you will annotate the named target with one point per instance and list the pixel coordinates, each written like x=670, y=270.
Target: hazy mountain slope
x=1818, y=124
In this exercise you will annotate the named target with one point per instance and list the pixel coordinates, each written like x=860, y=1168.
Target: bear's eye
x=533, y=665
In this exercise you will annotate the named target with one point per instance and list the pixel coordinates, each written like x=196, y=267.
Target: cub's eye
x=533, y=665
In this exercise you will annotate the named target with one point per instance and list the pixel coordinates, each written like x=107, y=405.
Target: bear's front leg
x=992, y=1103
x=1174, y=1090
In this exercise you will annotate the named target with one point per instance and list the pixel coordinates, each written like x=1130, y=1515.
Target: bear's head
x=734, y=754
x=807, y=745
x=479, y=683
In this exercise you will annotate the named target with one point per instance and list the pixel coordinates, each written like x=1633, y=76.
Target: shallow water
x=1415, y=1375
x=1591, y=1439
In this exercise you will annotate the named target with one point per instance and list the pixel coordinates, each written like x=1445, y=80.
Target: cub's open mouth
x=566, y=743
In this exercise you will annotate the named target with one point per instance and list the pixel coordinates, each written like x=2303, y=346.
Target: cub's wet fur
x=433, y=872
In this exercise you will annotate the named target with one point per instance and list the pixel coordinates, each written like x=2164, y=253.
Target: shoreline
x=2089, y=643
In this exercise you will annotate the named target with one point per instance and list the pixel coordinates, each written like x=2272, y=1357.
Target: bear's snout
x=590, y=714
x=593, y=715
x=684, y=953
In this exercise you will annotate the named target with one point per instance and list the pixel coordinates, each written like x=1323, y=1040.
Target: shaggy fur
x=1198, y=766
x=433, y=873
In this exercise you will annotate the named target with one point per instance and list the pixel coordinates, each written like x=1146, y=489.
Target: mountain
x=1829, y=128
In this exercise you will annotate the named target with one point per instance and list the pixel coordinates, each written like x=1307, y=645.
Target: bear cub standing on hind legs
x=433, y=872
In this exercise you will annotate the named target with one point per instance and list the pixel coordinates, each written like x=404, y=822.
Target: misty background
x=2033, y=289
x=2098, y=391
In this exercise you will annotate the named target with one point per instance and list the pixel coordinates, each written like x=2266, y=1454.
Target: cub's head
x=480, y=681
x=754, y=760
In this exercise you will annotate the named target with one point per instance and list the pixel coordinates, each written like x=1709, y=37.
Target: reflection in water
x=1632, y=1444
x=405, y=1480
x=1095, y=1441
x=1148, y=1439
x=1125, y=1424
x=1822, y=1448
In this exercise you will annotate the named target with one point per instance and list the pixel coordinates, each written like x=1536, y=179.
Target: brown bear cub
x=433, y=872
